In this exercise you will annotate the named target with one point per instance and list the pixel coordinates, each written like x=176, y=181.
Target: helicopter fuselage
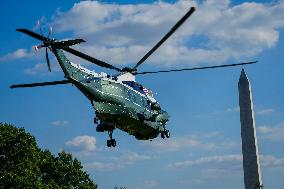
x=119, y=101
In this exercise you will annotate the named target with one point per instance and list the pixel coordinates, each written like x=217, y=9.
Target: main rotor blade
x=64, y=44
x=40, y=84
x=173, y=29
x=47, y=60
x=33, y=34
x=91, y=59
x=201, y=68
x=49, y=32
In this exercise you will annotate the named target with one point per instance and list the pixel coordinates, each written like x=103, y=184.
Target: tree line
x=24, y=165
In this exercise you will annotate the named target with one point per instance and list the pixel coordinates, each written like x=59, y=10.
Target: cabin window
x=134, y=86
x=134, y=98
x=129, y=95
x=144, y=103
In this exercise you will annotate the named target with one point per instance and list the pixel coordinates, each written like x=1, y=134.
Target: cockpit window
x=135, y=86
x=150, y=93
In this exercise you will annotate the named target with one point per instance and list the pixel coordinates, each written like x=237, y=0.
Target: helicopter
x=118, y=100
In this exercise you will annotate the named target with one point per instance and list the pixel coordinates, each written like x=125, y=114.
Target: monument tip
x=243, y=75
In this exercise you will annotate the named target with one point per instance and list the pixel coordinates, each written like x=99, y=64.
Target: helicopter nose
x=162, y=117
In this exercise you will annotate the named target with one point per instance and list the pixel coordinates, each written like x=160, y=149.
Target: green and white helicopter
x=119, y=101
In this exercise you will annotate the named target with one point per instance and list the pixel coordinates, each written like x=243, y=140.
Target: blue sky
x=205, y=149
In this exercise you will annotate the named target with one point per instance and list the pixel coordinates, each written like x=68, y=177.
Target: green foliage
x=63, y=170
x=19, y=158
x=24, y=165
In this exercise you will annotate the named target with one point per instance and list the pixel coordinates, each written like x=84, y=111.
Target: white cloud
x=213, y=160
x=38, y=68
x=131, y=157
x=17, y=54
x=272, y=133
x=82, y=143
x=134, y=157
x=261, y=112
x=219, y=167
x=121, y=34
x=231, y=110
x=271, y=161
x=211, y=134
x=60, y=123
x=217, y=173
x=195, y=141
x=264, y=129
x=100, y=166
x=177, y=143
x=265, y=112
x=150, y=184
x=118, y=162
x=42, y=69
x=227, y=162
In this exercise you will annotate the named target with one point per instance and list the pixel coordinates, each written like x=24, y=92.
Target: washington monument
x=252, y=174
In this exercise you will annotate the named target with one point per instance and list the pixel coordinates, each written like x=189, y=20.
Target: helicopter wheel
x=96, y=120
x=162, y=134
x=111, y=142
x=167, y=133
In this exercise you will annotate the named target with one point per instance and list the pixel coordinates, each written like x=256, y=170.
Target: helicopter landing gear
x=165, y=134
x=96, y=120
x=111, y=142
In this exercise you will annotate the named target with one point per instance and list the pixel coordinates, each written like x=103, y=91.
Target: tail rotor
x=49, y=43
x=49, y=31
x=46, y=40
x=47, y=59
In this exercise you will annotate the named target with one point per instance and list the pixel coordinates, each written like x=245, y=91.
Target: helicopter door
x=146, y=104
